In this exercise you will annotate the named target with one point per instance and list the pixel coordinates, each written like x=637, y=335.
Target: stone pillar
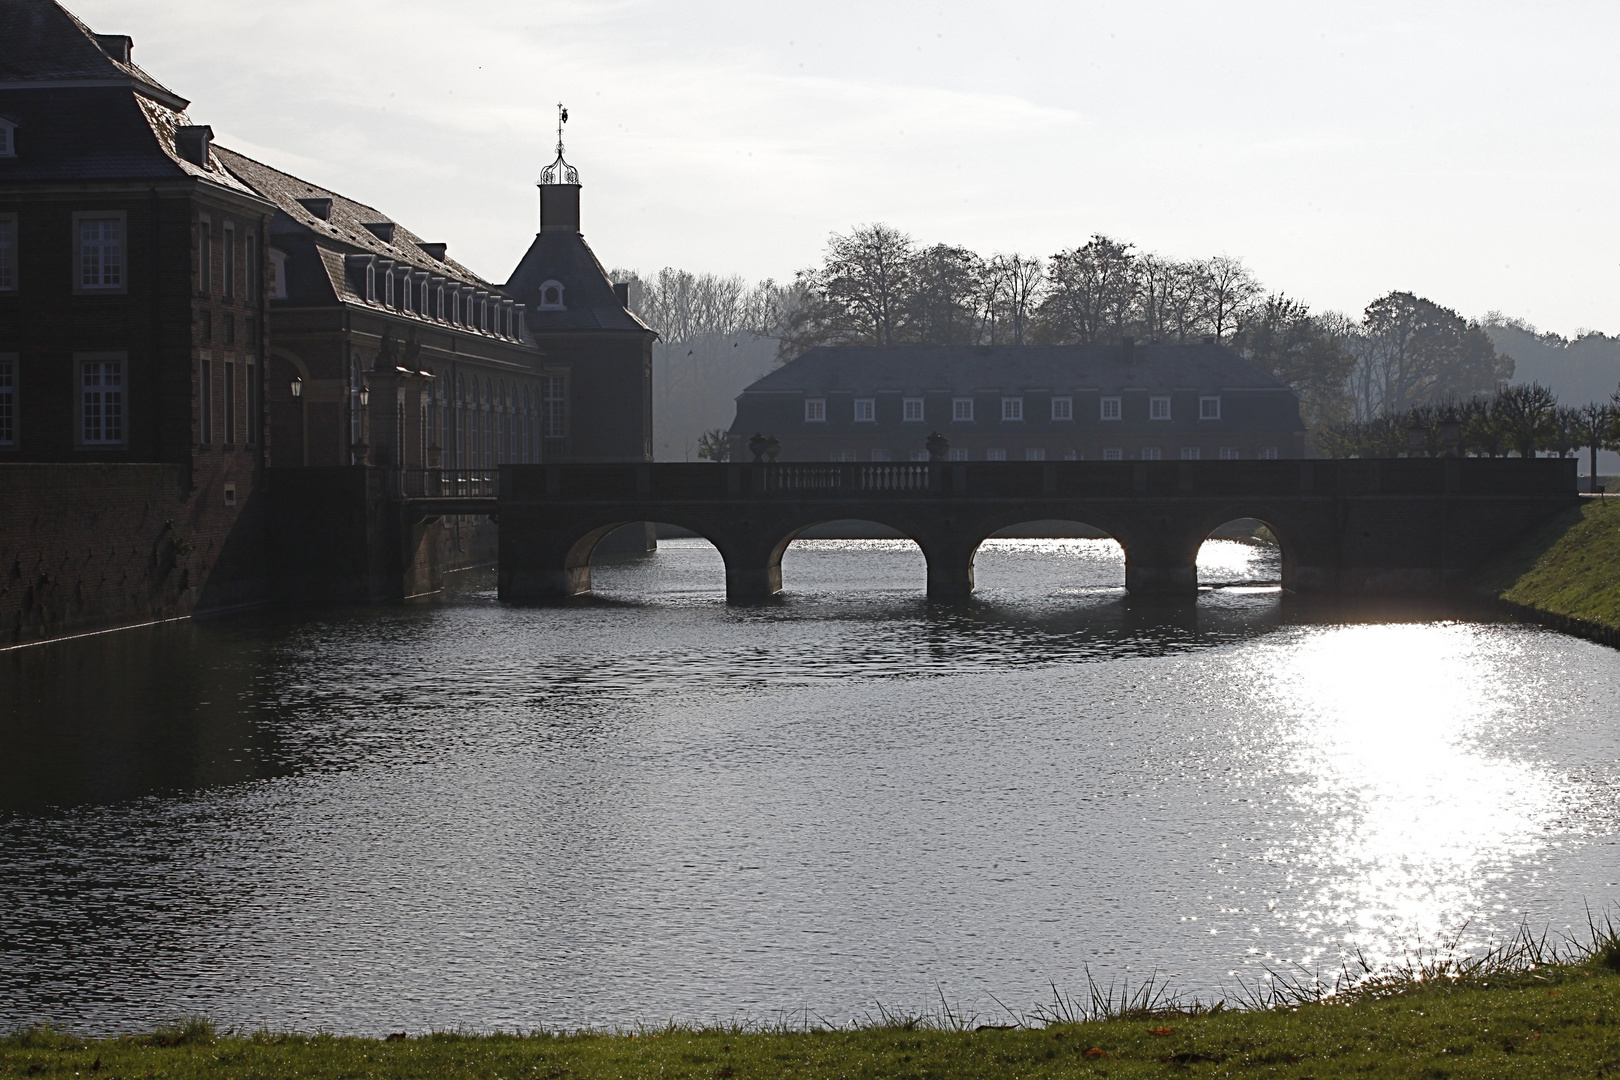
x=752, y=580
x=950, y=566
x=540, y=564
x=1159, y=561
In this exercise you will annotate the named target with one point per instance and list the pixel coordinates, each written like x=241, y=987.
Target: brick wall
x=93, y=546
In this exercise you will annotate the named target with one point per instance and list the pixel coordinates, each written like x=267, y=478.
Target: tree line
x=1359, y=378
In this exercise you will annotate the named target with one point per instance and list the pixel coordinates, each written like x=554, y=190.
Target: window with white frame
x=228, y=256
x=278, y=275
x=865, y=410
x=1063, y=408
x=1113, y=453
x=919, y=455
x=1150, y=453
x=1071, y=455
x=911, y=410
x=995, y=453
x=1034, y=453
x=1158, y=408
x=8, y=401
x=1012, y=408
x=551, y=296
x=8, y=138
x=101, y=252
x=250, y=268
x=101, y=401
x=1209, y=408
x=1190, y=453
x=205, y=257
x=1268, y=454
x=880, y=455
x=962, y=408
x=844, y=455
x=8, y=252
x=1229, y=453
x=815, y=410
x=1110, y=408
x=956, y=454
x=554, y=406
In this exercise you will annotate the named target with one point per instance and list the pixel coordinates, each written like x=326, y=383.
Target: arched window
x=461, y=424
x=489, y=432
x=551, y=296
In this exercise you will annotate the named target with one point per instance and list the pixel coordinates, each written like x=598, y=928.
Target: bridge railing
x=1021, y=479
x=447, y=483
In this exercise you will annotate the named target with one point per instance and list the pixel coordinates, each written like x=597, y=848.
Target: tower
x=598, y=355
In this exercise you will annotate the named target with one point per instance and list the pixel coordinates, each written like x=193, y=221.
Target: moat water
x=652, y=806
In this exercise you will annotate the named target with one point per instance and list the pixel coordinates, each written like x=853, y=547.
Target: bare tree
x=1229, y=291
x=1012, y=284
x=1090, y=292
x=1526, y=415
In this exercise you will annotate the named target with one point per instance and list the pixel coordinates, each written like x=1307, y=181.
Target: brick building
x=600, y=354
x=1128, y=402
x=221, y=383
x=132, y=328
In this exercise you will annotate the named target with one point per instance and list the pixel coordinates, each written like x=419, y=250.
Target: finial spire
x=559, y=171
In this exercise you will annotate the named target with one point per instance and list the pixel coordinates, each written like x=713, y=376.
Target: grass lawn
x=1558, y=1020
x=1570, y=568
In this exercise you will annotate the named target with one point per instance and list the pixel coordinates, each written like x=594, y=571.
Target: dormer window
x=8, y=138
x=551, y=296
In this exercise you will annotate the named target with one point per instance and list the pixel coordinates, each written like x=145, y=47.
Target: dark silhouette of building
x=132, y=331
x=1129, y=402
x=598, y=354
x=384, y=350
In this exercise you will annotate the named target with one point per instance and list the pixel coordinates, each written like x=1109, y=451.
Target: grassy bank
x=1568, y=574
x=1510, y=1015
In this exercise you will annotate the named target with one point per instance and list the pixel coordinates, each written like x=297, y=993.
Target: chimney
x=621, y=290
x=1127, y=348
x=559, y=208
x=321, y=208
x=434, y=251
x=191, y=141
x=382, y=230
x=117, y=46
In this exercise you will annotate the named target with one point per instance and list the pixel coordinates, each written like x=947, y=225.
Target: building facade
x=384, y=350
x=132, y=333
x=598, y=356
x=1125, y=402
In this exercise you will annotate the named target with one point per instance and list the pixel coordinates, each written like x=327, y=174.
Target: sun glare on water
x=1406, y=806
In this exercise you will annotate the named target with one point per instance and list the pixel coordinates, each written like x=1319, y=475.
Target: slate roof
x=41, y=42
x=562, y=255
x=82, y=115
x=347, y=225
x=1060, y=368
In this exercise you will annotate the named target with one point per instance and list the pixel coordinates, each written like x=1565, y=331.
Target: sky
x=1463, y=151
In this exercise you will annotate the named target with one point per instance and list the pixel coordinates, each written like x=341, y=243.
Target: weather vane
x=559, y=171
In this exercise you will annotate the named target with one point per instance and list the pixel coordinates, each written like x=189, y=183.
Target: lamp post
x=297, y=387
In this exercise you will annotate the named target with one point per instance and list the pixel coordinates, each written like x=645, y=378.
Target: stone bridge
x=1389, y=526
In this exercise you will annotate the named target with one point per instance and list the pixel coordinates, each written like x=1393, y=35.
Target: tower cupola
x=559, y=188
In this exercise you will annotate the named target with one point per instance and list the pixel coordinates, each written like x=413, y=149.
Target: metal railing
x=850, y=478
x=447, y=483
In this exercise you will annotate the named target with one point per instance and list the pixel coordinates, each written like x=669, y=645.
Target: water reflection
x=652, y=804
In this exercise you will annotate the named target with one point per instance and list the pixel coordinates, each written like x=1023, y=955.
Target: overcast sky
x=1464, y=151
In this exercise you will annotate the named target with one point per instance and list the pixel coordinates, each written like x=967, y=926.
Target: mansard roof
x=346, y=225
x=83, y=114
x=965, y=369
x=590, y=304
x=41, y=42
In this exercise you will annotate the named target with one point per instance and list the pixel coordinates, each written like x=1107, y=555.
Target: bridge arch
x=1096, y=551
x=1244, y=550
